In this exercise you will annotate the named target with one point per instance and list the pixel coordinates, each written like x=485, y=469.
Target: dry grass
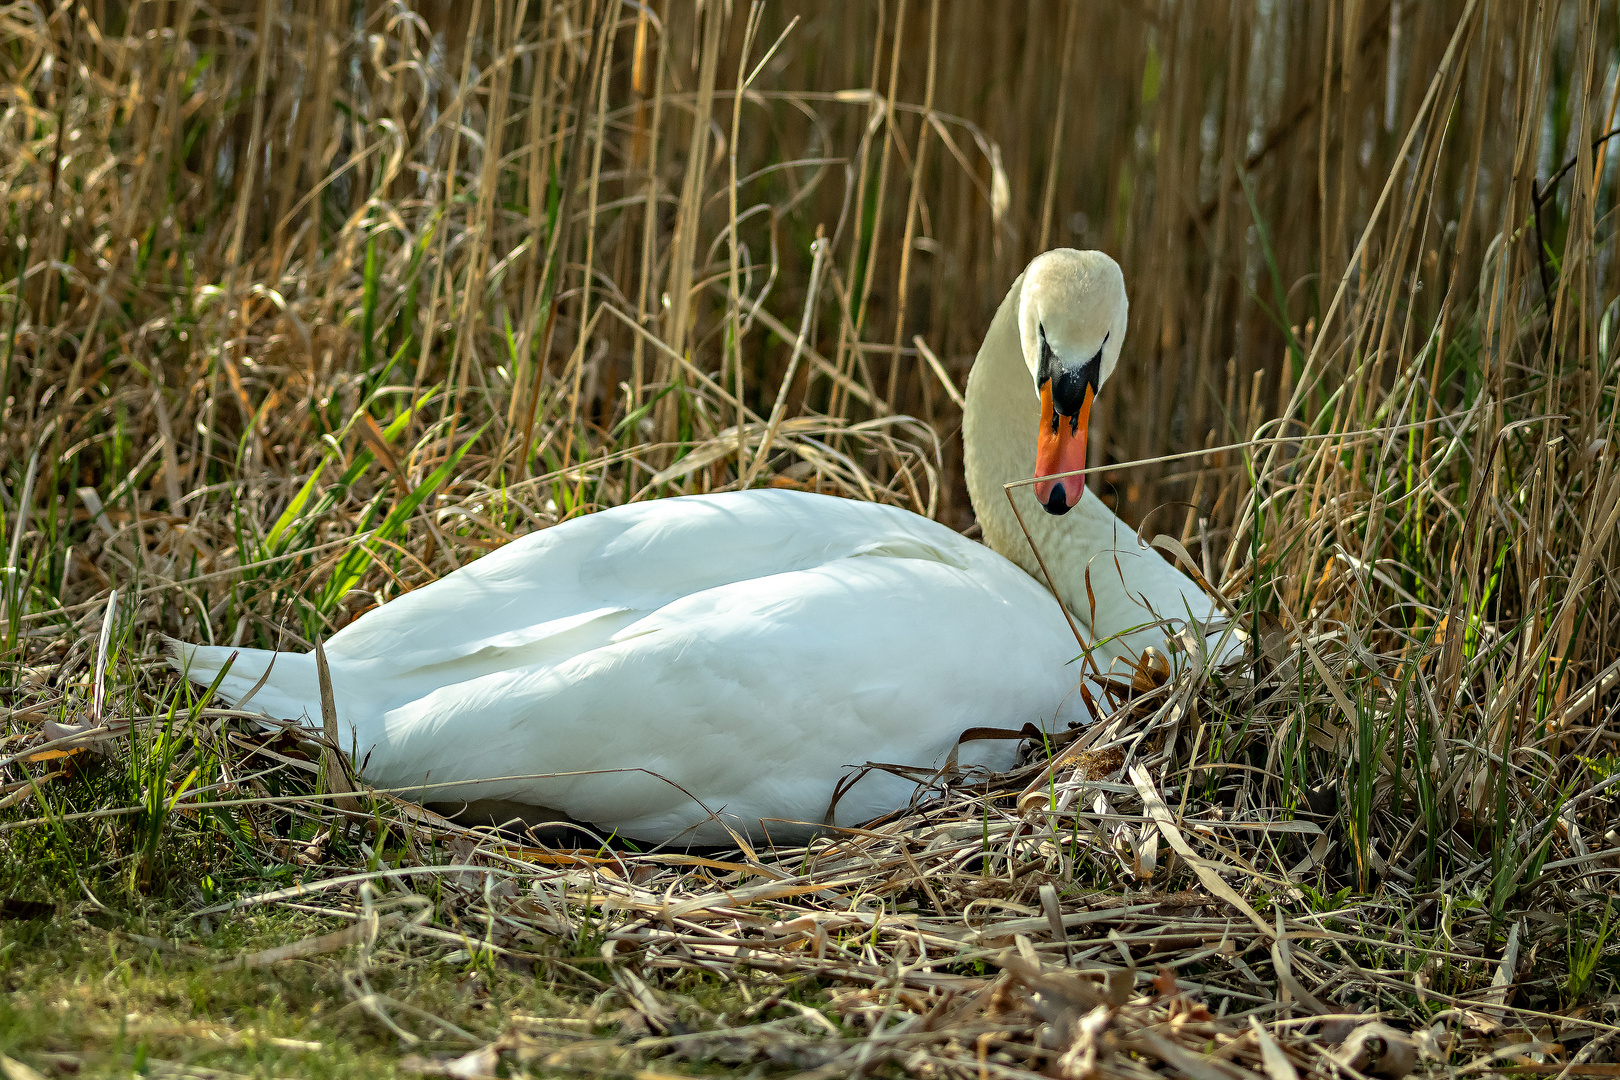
x=307, y=304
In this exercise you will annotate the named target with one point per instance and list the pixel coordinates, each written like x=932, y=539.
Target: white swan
x=652, y=666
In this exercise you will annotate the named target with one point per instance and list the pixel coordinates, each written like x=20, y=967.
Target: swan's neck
x=999, y=435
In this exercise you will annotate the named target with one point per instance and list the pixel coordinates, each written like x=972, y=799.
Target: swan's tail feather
x=291, y=692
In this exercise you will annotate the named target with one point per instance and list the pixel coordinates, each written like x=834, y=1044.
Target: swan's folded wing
x=574, y=588
x=590, y=576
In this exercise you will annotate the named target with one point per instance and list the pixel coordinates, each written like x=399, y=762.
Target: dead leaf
x=1272, y=1055
x=476, y=1065
x=1164, y=983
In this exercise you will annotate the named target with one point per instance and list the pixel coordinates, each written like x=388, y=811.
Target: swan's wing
x=567, y=590
x=760, y=694
x=576, y=584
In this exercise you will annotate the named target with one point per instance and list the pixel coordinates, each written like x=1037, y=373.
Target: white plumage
x=652, y=666
x=750, y=647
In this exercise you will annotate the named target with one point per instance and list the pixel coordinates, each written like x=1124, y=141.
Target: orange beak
x=1060, y=447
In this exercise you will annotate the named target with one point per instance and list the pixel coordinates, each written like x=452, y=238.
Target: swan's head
x=1071, y=322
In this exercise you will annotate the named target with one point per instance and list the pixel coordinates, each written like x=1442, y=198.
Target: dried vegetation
x=306, y=304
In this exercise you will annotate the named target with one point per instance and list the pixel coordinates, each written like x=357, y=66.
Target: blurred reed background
x=308, y=302
x=468, y=185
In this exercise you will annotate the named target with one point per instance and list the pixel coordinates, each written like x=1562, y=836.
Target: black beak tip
x=1057, y=503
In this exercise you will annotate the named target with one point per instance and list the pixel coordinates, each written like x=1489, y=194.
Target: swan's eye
x=1048, y=368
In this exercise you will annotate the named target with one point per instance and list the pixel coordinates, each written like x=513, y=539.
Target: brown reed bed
x=307, y=304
